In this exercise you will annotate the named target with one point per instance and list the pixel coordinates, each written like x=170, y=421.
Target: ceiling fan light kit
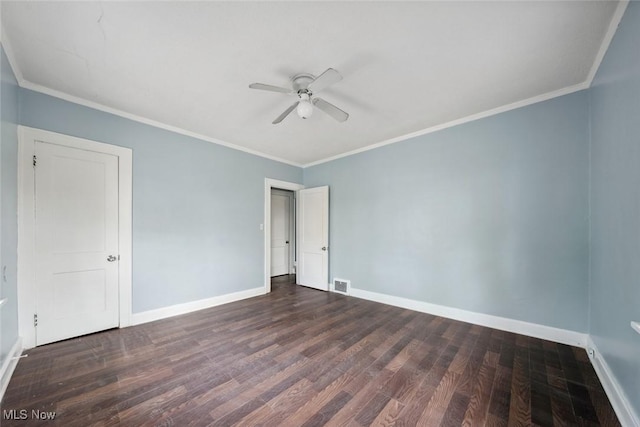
x=304, y=108
x=304, y=86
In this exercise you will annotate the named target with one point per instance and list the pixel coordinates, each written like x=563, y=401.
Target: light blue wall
x=197, y=206
x=8, y=206
x=489, y=216
x=615, y=205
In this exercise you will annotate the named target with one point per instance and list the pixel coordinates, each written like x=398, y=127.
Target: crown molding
x=23, y=83
x=608, y=37
x=613, y=26
x=604, y=46
x=8, y=50
x=467, y=119
x=150, y=122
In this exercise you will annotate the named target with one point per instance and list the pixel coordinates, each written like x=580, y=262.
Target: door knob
x=111, y=258
x=324, y=248
x=287, y=242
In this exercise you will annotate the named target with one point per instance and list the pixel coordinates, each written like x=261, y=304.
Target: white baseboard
x=621, y=405
x=535, y=330
x=9, y=366
x=188, y=307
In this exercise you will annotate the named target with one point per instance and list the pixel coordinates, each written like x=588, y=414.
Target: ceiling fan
x=304, y=86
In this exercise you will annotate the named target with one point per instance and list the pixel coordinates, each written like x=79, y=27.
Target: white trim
x=26, y=249
x=635, y=326
x=503, y=109
x=621, y=405
x=518, y=104
x=268, y=185
x=96, y=106
x=8, y=50
x=290, y=195
x=613, y=26
x=606, y=41
x=9, y=365
x=125, y=233
x=26, y=222
x=535, y=330
x=22, y=82
x=189, y=307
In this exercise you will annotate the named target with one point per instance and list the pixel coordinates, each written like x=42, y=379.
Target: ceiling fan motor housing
x=301, y=81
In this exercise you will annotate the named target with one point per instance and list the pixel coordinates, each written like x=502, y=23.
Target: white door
x=280, y=243
x=313, y=238
x=76, y=214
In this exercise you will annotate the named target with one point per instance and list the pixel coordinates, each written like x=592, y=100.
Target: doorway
x=312, y=235
x=269, y=185
x=74, y=234
x=283, y=236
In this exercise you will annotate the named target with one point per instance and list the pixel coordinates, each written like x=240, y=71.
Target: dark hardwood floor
x=301, y=357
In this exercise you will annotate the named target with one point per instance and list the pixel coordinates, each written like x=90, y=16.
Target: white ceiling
x=407, y=66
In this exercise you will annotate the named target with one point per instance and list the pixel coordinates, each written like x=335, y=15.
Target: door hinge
x=35, y=320
x=35, y=160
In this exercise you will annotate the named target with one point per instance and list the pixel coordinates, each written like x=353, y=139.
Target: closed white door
x=76, y=197
x=280, y=243
x=313, y=238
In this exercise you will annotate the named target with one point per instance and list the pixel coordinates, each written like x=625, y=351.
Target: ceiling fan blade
x=330, y=109
x=326, y=79
x=285, y=114
x=270, y=88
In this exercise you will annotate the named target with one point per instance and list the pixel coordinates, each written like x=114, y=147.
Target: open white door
x=313, y=238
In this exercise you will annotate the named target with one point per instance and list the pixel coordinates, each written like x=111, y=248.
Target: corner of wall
x=619, y=400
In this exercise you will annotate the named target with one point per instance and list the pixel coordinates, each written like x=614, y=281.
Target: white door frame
x=291, y=196
x=268, y=185
x=26, y=223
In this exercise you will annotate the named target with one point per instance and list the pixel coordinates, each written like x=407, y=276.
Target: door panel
x=279, y=234
x=77, y=207
x=78, y=292
x=76, y=230
x=313, y=238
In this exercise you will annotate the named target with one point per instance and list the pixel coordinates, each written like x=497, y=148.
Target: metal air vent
x=342, y=286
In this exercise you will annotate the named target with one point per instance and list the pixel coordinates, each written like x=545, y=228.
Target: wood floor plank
x=298, y=356
x=283, y=404
x=325, y=413
x=479, y=399
x=363, y=388
x=389, y=414
x=439, y=402
x=324, y=397
x=520, y=403
x=403, y=384
x=371, y=410
x=413, y=410
x=541, y=410
x=455, y=412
